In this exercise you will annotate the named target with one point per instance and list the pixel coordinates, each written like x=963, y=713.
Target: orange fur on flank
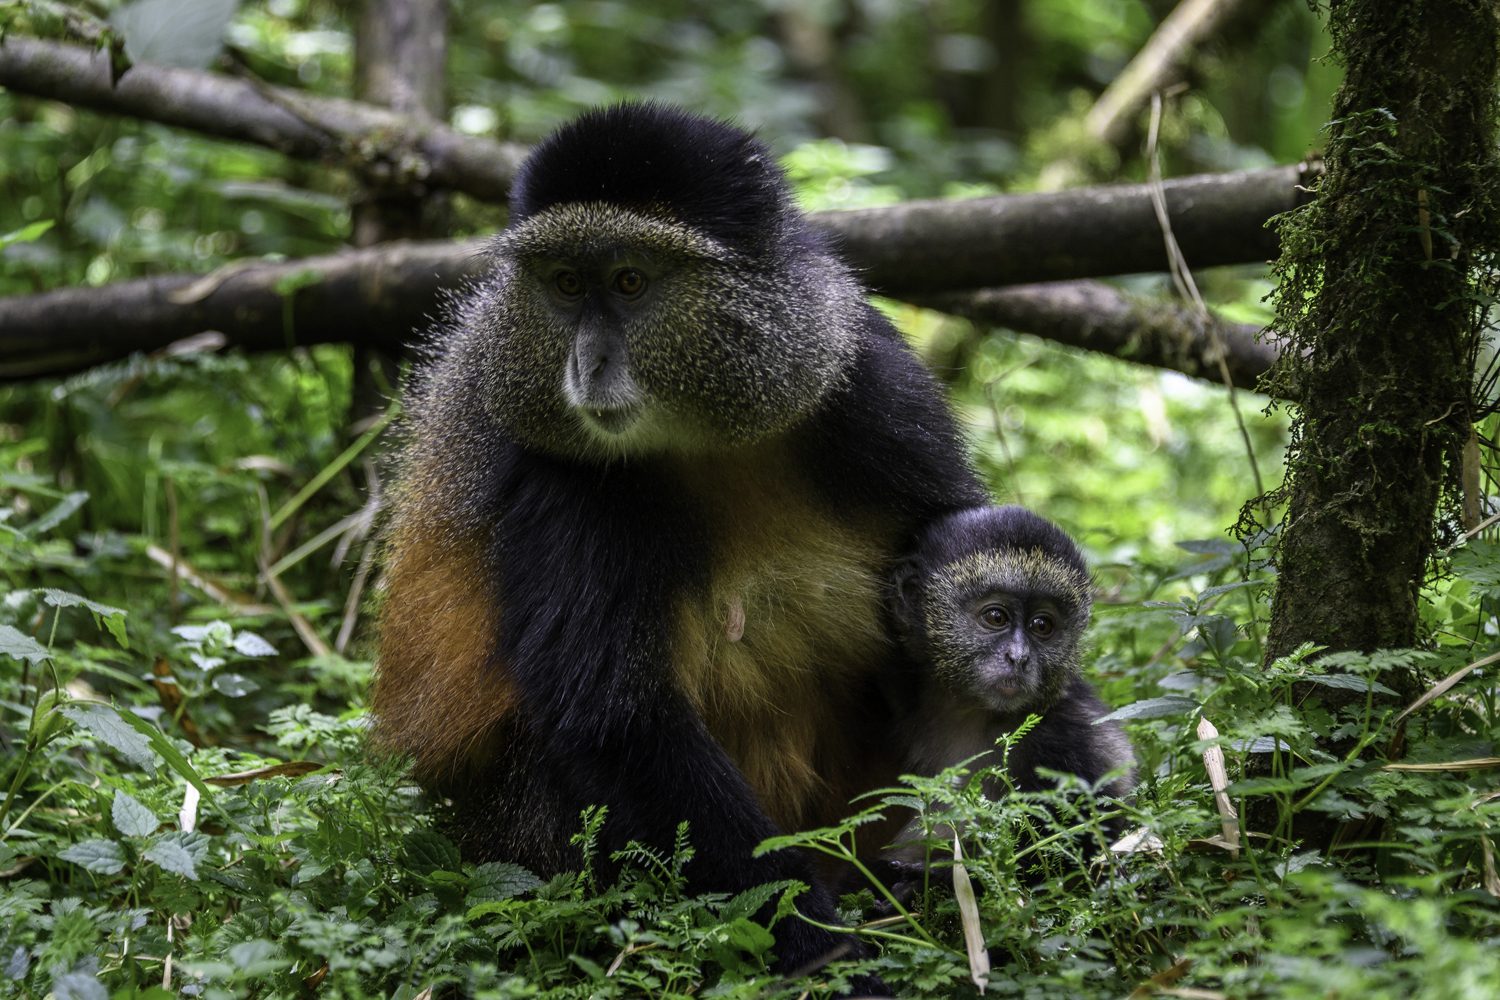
x=437, y=695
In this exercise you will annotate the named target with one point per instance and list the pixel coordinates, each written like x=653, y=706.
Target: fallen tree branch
x=379, y=296
x=387, y=148
x=932, y=246
x=1099, y=317
x=1105, y=230
x=375, y=297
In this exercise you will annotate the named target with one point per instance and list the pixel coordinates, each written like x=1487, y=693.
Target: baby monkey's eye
x=994, y=616
x=568, y=283
x=1042, y=626
x=629, y=282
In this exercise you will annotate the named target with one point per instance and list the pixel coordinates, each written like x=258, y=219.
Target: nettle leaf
x=1152, y=708
x=234, y=685
x=1218, y=634
x=18, y=645
x=427, y=851
x=1260, y=744
x=1347, y=682
x=111, y=618
x=166, y=748
x=214, y=634
x=186, y=33
x=170, y=854
x=250, y=644
x=501, y=880
x=65, y=599
x=131, y=818
x=1226, y=588
x=102, y=857
x=109, y=728
x=79, y=985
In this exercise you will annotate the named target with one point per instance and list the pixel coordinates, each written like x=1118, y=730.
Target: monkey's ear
x=905, y=595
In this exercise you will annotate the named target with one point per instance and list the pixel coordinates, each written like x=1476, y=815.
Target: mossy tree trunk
x=1380, y=299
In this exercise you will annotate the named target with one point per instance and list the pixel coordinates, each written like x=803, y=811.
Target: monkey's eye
x=568, y=283
x=1041, y=626
x=994, y=616
x=629, y=282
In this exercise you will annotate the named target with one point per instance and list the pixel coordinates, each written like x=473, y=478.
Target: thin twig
x=1182, y=277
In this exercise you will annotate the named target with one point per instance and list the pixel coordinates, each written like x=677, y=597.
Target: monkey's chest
x=779, y=652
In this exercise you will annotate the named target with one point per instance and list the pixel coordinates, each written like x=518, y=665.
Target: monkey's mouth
x=611, y=419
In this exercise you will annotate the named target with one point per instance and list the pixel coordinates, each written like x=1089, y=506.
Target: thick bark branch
x=374, y=297
x=932, y=246
x=323, y=128
x=1098, y=317
x=1089, y=231
x=378, y=297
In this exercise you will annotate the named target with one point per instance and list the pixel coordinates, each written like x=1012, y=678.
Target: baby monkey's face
x=1008, y=650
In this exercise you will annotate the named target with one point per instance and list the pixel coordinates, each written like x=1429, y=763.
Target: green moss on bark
x=1380, y=297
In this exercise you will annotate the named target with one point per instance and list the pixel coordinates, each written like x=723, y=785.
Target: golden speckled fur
x=802, y=592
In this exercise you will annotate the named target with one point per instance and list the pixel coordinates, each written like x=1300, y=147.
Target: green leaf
x=1303, y=777
x=234, y=685
x=500, y=880
x=173, y=857
x=107, y=725
x=18, y=645
x=102, y=857
x=164, y=746
x=131, y=818
x=428, y=850
x=26, y=234
x=57, y=514
x=65, y=599
x=78, y=985
x=250, y=644
x=749, y=902
x=1152, y=708
x=1226, y=588
x=112, y=618
x=186, y=33
x=1348, y=682
x=256, y=957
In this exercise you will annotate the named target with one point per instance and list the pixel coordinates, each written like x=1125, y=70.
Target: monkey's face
x=614, y=333
x=1003, y=629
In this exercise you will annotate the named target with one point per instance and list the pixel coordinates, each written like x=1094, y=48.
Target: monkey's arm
x=1067, y=740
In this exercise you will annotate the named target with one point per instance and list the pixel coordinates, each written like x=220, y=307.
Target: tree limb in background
x=1098, y=317
x=382, y=295
x=319, y=128
x=1216, y=210
x=374, y=297
x=1161, y=62
x=933, y=246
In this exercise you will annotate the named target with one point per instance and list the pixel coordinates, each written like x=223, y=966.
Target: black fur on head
x=976, y=529
x=1011, y=527
x=659, y=159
